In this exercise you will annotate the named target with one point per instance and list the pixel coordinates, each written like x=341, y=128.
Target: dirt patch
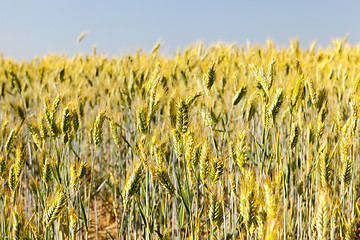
x=106, y=222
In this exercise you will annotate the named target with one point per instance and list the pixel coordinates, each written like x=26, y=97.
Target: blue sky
x=34, y=28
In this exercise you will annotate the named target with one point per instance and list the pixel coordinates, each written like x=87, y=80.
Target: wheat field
x=224, y=142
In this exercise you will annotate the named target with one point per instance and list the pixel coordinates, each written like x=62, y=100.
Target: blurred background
x=35, y=28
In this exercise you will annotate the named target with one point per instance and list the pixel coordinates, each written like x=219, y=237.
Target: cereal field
x=224, y=142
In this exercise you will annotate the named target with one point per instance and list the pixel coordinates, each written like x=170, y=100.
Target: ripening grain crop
x=213, y=143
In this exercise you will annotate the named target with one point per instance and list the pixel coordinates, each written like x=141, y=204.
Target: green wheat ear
x=277, y=102
x=217, y=169
x=114, y=132
x=239, y=95
x=347, y=165
x=2, y=166
x=251, y=107
x=182, y=117
x=310, y=134
x=216, y=213
x=172, y=111
x=321, y=99
x=43, y=128
x=271, y=73
x=13, y=180
x=178, y=146
x=75, y=119
x=66, y=121
x=294, y=135
x=204, y=162
x=36, y=137
x=209, y=77
x=82, y=170
x=195, y=156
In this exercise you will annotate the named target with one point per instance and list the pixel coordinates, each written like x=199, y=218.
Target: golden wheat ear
x=98, y=125
x=11, y=139
x=36, y=136
x=141, y=121
x=46, y=172
x=325, y=166
x=20, y=159
x=297, y=91
x=132, y=184
x=193, y=96
x=73, y=224
x=262, y=82
x=322, y=217
x=16, y=226
x=240, y=150
x=35, y=232
x=312, y=91
x=163, y=178
x=53, y=211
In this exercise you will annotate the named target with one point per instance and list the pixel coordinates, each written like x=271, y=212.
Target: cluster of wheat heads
x=213, y=143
